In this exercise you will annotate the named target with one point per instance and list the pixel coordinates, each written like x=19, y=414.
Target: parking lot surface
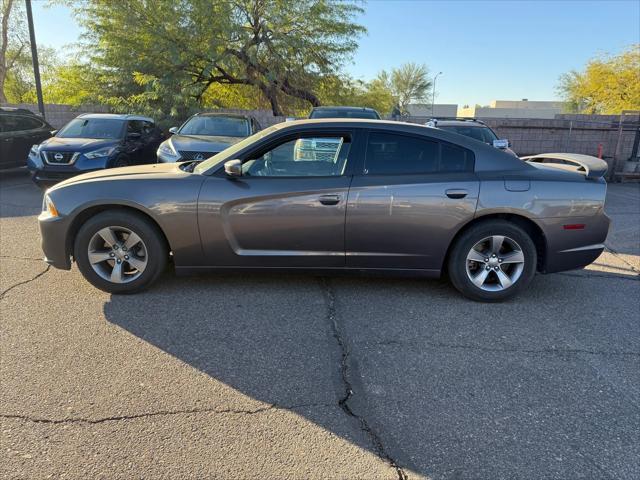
x=282, y=376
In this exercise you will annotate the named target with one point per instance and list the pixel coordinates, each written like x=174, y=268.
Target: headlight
x=48, y=206
x=167, y=150
x=101, y=152
x=34, y=150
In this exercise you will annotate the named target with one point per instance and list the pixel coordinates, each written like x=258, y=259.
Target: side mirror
x=233, y=168
x=173, y=130
x=53, y=133
x=502, y=144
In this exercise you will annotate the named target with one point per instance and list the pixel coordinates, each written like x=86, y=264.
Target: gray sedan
x=335, y=195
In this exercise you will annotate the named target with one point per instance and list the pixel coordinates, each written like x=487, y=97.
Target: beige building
x=514, y=109
x=439, y=110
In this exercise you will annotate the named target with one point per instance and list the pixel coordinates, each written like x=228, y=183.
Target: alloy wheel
x=117, y=254
x=495, y=263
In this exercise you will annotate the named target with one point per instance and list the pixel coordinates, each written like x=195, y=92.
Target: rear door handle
x=329, y=199
x=456, y=193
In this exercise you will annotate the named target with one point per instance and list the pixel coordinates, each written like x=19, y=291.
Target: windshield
x=484, y=134
x=92, y=128
x=338, y=113
x=229, y=153
x=216, y=126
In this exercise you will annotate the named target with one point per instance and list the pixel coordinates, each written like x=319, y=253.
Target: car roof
x=222, y=114
x=115, y=116
x=21, y=111
x=345, y=109
x=456, y=121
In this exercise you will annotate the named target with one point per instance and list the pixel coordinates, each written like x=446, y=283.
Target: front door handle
x=456, y=193
x=329, y=199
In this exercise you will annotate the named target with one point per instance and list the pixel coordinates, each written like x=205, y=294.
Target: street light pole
x=34, y=57
x=433, y=97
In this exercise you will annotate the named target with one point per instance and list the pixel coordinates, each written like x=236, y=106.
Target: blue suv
x=94, y=141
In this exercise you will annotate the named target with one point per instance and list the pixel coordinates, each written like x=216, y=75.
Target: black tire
x=156, y=249
x=457, y=265
x=121, y=161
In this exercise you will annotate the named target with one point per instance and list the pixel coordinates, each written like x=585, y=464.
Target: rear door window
x=394, y=154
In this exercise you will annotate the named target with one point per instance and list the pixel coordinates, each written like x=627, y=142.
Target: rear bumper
x=574, y=249
x=53, y=231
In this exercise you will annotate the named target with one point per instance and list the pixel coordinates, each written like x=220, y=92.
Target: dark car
x=94, y=141
x=344, y=112
x=392, y=197
x=472, y=128
x=20, y=129
x=204, y=135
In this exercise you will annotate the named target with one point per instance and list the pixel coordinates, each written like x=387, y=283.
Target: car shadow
x=269, y=337
x=19, y=196
x=272, y=338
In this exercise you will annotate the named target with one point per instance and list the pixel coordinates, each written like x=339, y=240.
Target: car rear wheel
x=120, y=252
x=492, y=261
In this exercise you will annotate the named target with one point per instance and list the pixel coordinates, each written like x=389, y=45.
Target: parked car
x=472, y=128
x=327, y=147
x=94, y=141
x=19, y=130
x=395, y=198
x=204, y=135
x=344, y=112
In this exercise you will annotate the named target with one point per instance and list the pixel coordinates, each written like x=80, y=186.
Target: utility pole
x=433, y=97
x=34, y=57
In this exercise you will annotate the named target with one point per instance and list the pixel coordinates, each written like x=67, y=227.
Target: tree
x=169, y=55
x=14, y=40
x=608, y=84
x=408, y=83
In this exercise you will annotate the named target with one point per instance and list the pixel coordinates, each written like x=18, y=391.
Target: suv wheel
x=120, y=252
x=492, y=261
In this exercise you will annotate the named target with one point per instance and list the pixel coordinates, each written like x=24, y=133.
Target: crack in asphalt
x=11, y=257
x=7, y=290
x=548, y=351
x=612, y=276
x=348, y=389
x=619, y=257
x=119, y=418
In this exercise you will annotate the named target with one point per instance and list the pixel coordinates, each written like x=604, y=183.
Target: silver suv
x=473, y=128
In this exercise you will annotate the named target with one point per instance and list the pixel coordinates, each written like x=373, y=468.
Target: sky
x=487, y=50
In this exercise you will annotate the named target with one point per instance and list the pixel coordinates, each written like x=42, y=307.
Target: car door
x=6, y=140
x=409, y=200
x=286, y=210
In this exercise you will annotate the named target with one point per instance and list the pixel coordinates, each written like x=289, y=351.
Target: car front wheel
x=492, y=261
x=120, y=252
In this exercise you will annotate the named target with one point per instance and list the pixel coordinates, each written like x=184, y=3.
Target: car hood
x=201, y=143
x=139, y=171
x=77, y=144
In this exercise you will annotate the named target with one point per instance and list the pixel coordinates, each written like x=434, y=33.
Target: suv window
x=92, y=128
x=302, y=157
x=17, y=123
x=343, y=113
x=484, y=134
x=393, y=154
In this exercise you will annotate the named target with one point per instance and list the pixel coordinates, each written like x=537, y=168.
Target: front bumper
x=53, y=231
x=45, y=174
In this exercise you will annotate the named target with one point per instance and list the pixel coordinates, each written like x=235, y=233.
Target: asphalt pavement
x=293, y=376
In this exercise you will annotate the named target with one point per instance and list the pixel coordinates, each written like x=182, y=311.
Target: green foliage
x=407, y=83
x=168, y=57
x=608, y=84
